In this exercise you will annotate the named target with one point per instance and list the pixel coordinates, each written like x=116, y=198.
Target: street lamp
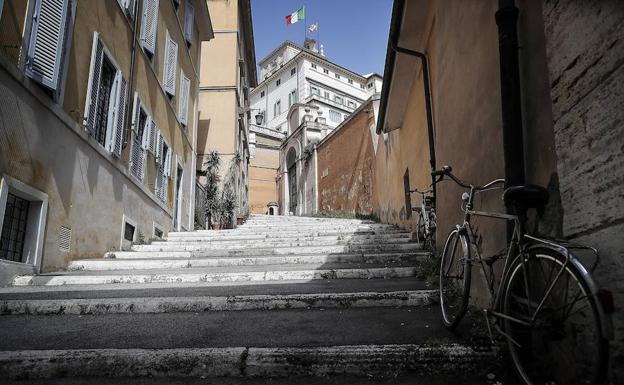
x=259, y=118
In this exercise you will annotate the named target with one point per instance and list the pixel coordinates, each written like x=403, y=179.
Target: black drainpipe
x=513, y=143
x=428, y=108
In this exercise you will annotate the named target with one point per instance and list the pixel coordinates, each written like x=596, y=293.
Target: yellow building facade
x=98, y=133
x=227, y=74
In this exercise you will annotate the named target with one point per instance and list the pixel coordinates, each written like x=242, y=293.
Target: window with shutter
x=189, y=17
x=149, y=25
x=185, y=89
x=153, y=137
x=138, y=136
x=106, y=100
x=47, y=41
x=170, y=67
x=128, y=7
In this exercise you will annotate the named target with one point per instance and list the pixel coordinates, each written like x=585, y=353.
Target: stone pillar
x=286, y=199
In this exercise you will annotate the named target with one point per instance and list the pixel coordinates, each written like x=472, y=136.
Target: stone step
x=244, y=254
x=354, y=364
x=223, y=235
x=207, y=249
x=195, y=304
x=217, y=274
x=212, y=289
x=398, y=237
x=267, y=243
x=180, y=263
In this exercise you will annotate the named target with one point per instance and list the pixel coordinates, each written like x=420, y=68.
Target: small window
x=362, y=86
x=158, y=233
x=129, y=232
x=292, y=98
x=14, y=228
x=325, y=71
x=350, y=81
x=313, y=65
x=338, y=99
x=261, y=94
x=293, y=71
x=278, y=82
x=351, y=104
x=326, y=94
x=335, y=116
x=189, y=19
x=370, y=85
x=277, y=108
x=337, y=76
x=314, y=91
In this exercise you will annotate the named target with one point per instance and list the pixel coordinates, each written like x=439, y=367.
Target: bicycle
x=547, y=306
x=426, y=222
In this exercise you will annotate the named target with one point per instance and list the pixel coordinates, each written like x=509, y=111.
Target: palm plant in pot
x=212, y=202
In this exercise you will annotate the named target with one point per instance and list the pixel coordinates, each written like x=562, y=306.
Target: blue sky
x=354, y=32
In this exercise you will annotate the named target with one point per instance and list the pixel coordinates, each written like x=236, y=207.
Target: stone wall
x=585, y=50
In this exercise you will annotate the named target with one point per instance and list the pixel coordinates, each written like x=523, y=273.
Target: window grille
x=14, y=228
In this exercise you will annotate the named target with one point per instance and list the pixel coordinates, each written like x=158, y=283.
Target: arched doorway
x=291, y=166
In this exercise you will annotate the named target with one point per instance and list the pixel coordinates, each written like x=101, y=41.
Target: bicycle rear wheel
x=454, y=279
x=564, y=343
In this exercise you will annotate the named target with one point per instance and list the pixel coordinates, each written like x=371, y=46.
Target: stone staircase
x=277, y=297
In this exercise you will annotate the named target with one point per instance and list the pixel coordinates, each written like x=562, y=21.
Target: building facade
x=97, y=125
x=263, y=169
x=305, y=95
x=227, y=75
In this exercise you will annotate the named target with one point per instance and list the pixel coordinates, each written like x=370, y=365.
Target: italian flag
x=296, y=16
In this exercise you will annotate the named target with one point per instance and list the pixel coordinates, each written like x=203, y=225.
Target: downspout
x=428, y=107
x=513, y=143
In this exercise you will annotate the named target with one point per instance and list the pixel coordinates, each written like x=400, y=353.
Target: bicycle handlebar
x=447, y=171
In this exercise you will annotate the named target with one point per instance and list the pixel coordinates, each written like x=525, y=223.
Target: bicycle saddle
x=526, y=196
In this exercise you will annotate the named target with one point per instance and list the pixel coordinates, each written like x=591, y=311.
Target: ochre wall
x=262, y=179
x=346, y=167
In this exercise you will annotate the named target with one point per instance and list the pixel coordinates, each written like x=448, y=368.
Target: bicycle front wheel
x=454, y=279
x=556, y=334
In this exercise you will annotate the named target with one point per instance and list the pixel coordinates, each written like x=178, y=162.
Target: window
x=362, y=86
x=23, y=212
x=314, y=91
x=158, y=233
x=313, y=65
x=129, y=232
x=335, y=116
x=277, y=108
x=292, y=98
x=47, y=42
x=346, y=116
x=261, y=94
x=163, y=168
x=337, y=76
x=326, y=94
x=370, y=85
x=185, y=91
x=350, y=81
x=149, y=25
x=189, y=18
x=170, y=67
x=325, y=71
x=14, y=228
x=293, y=71
x=338, y=99
x=278, y=82
x=106, y=100
x=351, y=103
x=128, y=7
x=142, y=133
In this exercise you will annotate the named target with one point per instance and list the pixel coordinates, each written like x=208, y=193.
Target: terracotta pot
x=216, y=226
x=240, y=221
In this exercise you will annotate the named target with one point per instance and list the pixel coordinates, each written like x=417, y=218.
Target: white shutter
x=93, y=88
x=136, y=111
x=46, y=41
x=185, y=89
x=152, y=137
x=159, y=148
x=167, y=165
x=170, y=67
x=120, y=115
x=149, y=25
x=189, y=17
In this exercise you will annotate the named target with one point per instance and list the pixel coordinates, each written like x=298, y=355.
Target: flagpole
x=305, y=27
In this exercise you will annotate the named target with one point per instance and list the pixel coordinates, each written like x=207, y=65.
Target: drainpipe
x=428, y=107
x=513, y=143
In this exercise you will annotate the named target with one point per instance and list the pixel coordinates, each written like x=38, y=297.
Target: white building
x=305, y=95
x=292, y=74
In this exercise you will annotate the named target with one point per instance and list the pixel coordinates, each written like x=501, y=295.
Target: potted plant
x=211, y=187
x=228, y=202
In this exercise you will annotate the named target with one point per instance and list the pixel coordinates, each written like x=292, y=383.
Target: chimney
x=322, y=50
x=310, y=44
